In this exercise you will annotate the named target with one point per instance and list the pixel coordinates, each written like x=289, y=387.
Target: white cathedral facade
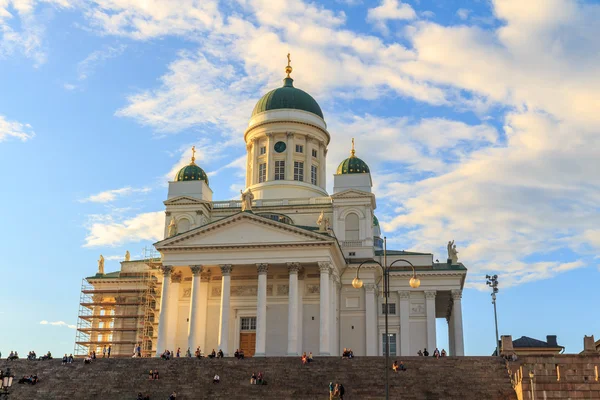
x=272, y=273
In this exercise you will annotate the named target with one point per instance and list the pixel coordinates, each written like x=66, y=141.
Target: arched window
x=183, y=225
x=352, y=231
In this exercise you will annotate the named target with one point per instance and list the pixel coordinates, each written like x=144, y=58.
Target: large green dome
x=353, y=164
x=287, y=96
x=191, y=172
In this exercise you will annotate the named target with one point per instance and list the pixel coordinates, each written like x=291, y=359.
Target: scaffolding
x=119, y=312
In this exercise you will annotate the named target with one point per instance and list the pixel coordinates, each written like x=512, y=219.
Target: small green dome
x=191, y=172
x=353, y=165
x=287, y=96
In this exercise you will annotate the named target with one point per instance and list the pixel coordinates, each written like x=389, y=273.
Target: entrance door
x=248, y=335
x=248, y=343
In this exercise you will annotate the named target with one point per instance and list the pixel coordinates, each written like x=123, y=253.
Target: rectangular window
x=262, y=173
x=314, y=153
x=391, y=308
x=263, y=150
x=298, y=171
x=279, y=170
x=248, y=323
x=313, y=174
x=299, y=148
x=392, y=344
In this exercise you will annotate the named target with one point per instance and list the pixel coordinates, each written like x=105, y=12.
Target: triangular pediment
x=182, y=200
x=351, y=194
x=243, y=229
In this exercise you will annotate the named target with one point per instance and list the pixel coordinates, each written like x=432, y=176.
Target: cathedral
x=287, y=268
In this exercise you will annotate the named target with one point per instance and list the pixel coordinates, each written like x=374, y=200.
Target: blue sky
x=478, y=119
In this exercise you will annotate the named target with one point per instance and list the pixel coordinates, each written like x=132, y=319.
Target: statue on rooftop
x=452, y=252
x=127, y=256
x=172, y=227
x=247, y=198
x=101, y=265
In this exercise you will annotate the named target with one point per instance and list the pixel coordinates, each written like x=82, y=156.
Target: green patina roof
x=287, y=96
x=353, y=165
x=375, y=221
x=400, y=253
x=110, y=275
x=191, y=172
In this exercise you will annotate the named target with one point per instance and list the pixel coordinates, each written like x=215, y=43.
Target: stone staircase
x=464, y=378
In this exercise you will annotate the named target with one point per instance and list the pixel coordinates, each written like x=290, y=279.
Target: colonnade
x=328, y=291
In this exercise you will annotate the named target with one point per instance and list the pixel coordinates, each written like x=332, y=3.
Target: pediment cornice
x=184, y=201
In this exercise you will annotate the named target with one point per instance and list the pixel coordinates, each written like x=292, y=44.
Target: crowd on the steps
x=436, y=353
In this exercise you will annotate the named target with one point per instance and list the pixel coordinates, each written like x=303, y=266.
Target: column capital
x=430, y=294
x=196, y=269
x=324, y=266
x=176, y=278
x=226, y=269
x=289, y=134
x=404, y=294
x=166, y=270
x=370, y=287
x=456, y=294
x=262, y=268
x=293, y=267
x=269, y=135
x=168, y=213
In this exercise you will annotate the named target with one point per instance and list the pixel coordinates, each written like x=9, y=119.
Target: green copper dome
x=287, y=96
x=191, y=172
x=353, y=164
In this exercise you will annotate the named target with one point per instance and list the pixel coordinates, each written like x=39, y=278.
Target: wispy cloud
x=15, y=130
x=109, y=230
x=58, y=323
x=390, y=10
x=111, y=195
x=87, y=66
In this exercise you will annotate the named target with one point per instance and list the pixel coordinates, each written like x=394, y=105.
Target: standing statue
x=127, y=256
x=247, y=198
x=452, y=253
x=449, y=247
x=101, y=265
x=172, y=227
x=321, y=222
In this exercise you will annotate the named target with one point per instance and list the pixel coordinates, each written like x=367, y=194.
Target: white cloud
x=58, y=323
x=107, y=230
x=15, y=130
x=390, y=10
x=111, y=195
x=463, y=13
x=86, y=67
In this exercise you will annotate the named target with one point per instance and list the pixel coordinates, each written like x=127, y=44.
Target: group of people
x=13, y=355
x=140, y=396
x=239, y=354
x=436, y=353
x=336, y=390
x=257, y=379
x=216, y=355
x=67, y=360
x=347, y=353
x=398, y=367
x=30, y=379
x=31, y=356
x=106, y=351
x=307, y=358
x=153, y=375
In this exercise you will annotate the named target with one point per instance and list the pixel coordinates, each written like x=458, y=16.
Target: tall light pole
x=414, y=282
x=492, y=282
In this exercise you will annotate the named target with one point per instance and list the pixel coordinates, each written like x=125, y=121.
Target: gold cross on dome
x=289, y=60
x=193, y=154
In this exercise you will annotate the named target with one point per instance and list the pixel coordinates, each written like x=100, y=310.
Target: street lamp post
x=6, y=380
x=492, y=281
x=414, y=282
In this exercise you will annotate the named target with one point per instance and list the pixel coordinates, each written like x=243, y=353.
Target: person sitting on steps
x=155, y=375
x=212, y=354
x=236, y=354
x=241, y=354
x=425, y=353
x=304, y=358
x=444, y=353
x=253, y=379
x=395, y=366
x=220, y=354
x=260, y=379
x=420, y=353
x=198, y=353
x=150, y=375
x=436, y=353
x=64, y=359
x=173, y=396
x=310, y=357
x=216, y=379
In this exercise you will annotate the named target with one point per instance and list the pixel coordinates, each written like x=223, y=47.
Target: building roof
x=191, y=172
x=287, y=96
x=525, y=341
x=400, y=253
x=353, y=165
x=110, y=275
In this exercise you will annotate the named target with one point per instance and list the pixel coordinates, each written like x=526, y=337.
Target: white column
x=261, y=311
x=202, y=310
x=324, y=268
x=404, y=323
x=193, y=320
x=249, y=165
x=225, y=305
x=270, y=162
x=289, y=156
x=307, y=161
x=173, y=304
x=300, y=311
x=450, y=334
x=161, y=342
x=292, y=348
x=322, y=165
x=459, y=345
x=371, y=318
x=430, y=308
x=336, y=315
x=332, y=314
x=255, y=152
